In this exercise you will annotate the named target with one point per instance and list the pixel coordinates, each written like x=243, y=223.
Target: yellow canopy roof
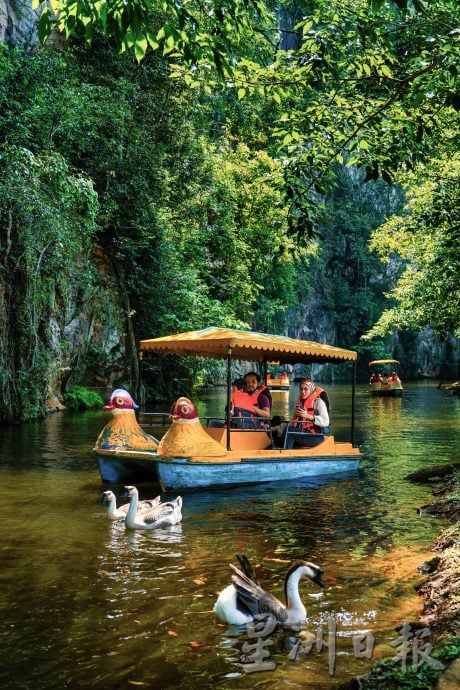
x=384, y=361
x=246, y=345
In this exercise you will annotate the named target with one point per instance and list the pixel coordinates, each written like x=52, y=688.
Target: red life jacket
x=308, y=406
x=244, y=400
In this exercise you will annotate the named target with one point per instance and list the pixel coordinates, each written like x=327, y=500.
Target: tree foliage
x=372, y=83
x=424, y=240
x=47, y=219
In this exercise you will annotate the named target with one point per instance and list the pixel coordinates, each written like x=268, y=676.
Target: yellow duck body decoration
x=186, y=436
x=123, y=430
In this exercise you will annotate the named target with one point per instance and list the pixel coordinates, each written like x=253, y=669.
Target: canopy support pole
x=264, y=371
x=139, y=381
x=353, y=395
x=229, y=394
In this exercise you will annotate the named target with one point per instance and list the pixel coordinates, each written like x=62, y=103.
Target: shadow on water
x=86, y=603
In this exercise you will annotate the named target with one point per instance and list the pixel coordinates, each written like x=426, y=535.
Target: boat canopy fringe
x=216, y=343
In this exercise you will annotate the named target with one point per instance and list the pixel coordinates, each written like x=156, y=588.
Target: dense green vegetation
x=80, y=398
x=214, y=164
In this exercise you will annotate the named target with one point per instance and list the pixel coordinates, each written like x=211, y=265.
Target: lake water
x=86, y=604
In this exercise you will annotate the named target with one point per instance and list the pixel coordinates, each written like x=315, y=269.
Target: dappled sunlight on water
x=86, y=603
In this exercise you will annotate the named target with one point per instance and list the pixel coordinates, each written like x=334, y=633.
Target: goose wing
x=256, y=599
x=164, y=513
x=149, y=503
x=247, y=568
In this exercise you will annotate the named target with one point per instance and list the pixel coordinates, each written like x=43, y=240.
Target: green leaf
x=140, y=47
x=384, y=69
x=241, y=93
x=44, y=26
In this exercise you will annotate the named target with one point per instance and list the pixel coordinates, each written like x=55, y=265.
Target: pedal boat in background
x=387, y=386
x=229, y=456
x=278, y=385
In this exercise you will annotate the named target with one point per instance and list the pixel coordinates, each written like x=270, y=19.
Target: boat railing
x=254, y=424
x=154, y=419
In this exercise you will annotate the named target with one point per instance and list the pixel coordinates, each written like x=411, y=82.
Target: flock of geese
x=148, y=514
x=244, y=600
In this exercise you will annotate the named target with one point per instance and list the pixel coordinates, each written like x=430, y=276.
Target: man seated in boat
x=259, y=395
x=251, y=403
x=311, y=413
x=248, y=406
x=394, y=378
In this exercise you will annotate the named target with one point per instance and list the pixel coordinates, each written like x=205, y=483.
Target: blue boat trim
x=179, y=473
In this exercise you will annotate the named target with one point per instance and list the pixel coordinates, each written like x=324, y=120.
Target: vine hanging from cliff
x=46, y=221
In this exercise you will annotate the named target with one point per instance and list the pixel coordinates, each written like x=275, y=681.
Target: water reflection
x=87, y=603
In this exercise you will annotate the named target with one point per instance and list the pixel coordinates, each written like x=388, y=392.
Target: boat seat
x=242, y=439
x=299, y=438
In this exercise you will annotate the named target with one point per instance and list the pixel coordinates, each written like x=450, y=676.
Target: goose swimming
x=163, y=515
x=114, y=513
x=244, y=599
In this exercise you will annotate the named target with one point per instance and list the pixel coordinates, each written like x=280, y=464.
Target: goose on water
x=119, y=513
x=244, y=599
x=163, y=515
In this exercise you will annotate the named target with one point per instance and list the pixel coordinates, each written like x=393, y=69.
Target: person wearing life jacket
x=376, y=377
x=394, y=380
x=259, y=394
x=311, y=412
x=242, y=409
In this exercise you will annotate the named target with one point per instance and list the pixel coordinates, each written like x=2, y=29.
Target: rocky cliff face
x=87, y=336
x=18, y=23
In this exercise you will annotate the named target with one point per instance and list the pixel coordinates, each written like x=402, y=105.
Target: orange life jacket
x=308, y=406
x=244, y=400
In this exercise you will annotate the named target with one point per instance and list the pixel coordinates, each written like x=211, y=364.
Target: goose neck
x=293, y=600
x=132, y=510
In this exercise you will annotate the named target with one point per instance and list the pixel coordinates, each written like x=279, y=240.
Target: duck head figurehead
x=123, y=430
x=186, y=437
x=121, y=401
x=184, y=412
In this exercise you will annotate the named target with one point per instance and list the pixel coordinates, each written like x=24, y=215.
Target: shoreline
x=439, y=622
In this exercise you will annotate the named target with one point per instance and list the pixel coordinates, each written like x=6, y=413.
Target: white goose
x=244, y=599
x=163, y=515
x=119, y=513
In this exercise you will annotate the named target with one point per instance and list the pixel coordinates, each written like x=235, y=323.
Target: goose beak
x=318, y=579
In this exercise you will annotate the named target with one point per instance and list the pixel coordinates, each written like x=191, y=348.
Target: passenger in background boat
x=394, y=378
x=376, y=377
x=311, y=413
